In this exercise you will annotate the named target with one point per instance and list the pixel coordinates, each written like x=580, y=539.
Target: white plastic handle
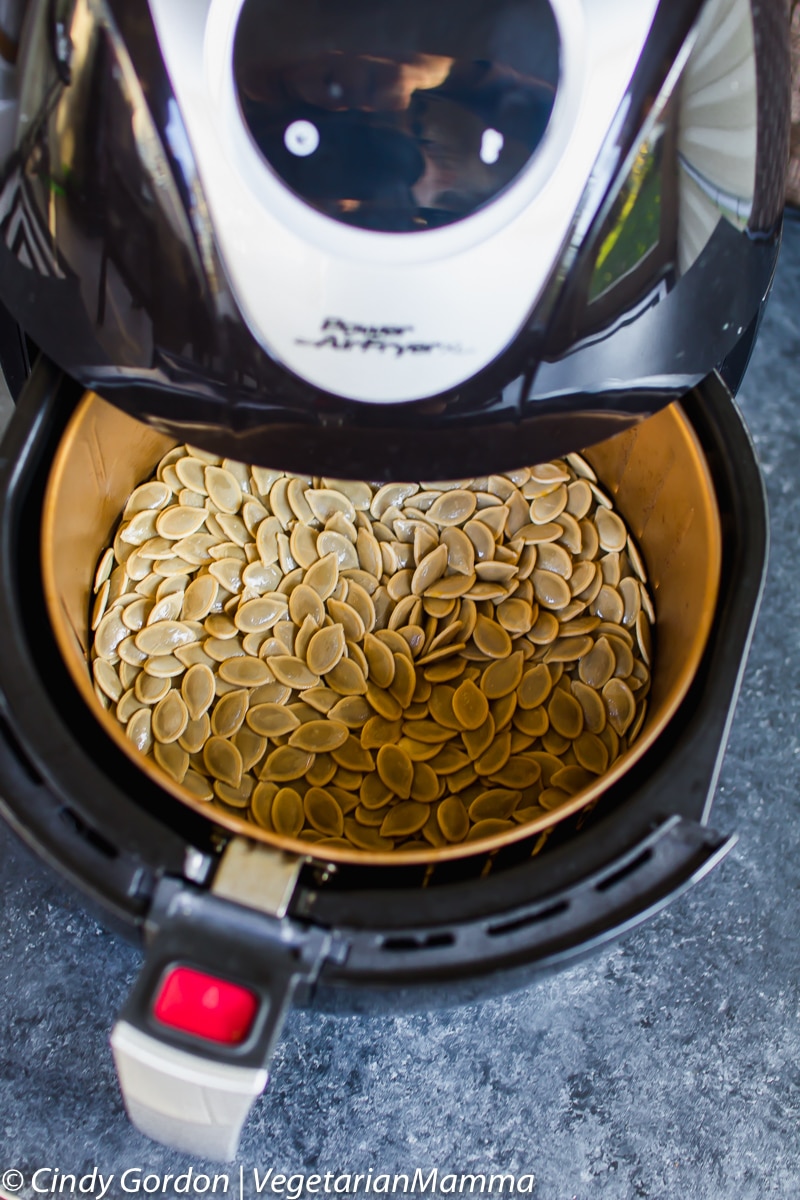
x=181, y=1099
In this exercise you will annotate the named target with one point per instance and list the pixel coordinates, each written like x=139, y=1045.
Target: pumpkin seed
x=234, y=797
x=453, y=507
x=322, y=812
x=491, y=827
x=163, y=637
x=223, y=761
x=611, y=531
x=179, y=521
x=502, y=676
x=364, y=838
x=591, y=753
x=453, y=819
x=430, y=569
x=594, y=713
x=196, y=735
x=139, y=730
x=370, y=817
x=165, y=666
x=287, y=815
x=219, y=650
x=148, y=688
x=404, y=818
x=550, y=589
x=553, y=798
x=229, y=713
x=470, y=705
x=199, y=597
x=620, y=705
x=397, y=772
x=228, y=574
x=494, y=803
x=150, y=495
x=292, y=671
x=516, y=616
x=352, y=756
x=374, y=793
x=518, y=774
x=110, y=632
x=271, y=720
x=107, y=679
x=343, y=550
x=245, y=671
x=353, y=711
x=100, y=602
x=223, y=489
x=425, y=785
x=496, y=756
x=565, y=713
x=572, y=779
x=608, y=605
x=286, y=763
x=490, y=638
x=643, y=638
x=404, y=681
x=347, y=678
x=320, y=736
x=450, y=760
x=172, y=758
x=260, y=614
x=482, y=540
x=598, y=666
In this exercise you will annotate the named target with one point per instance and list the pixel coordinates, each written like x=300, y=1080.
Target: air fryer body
x=465, y=304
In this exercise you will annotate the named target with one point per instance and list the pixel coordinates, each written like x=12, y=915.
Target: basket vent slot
x=544, y=914
x=433, y=941
x=87, y=834
x=630, y=868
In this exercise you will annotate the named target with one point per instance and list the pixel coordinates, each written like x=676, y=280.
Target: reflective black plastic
x=398, y=117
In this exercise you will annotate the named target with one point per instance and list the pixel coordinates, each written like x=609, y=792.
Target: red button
x=208, y=1007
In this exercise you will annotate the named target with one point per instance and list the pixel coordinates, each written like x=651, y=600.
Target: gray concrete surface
x=667, y=1067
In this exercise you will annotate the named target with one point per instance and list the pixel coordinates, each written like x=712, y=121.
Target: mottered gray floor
x=665, y=1067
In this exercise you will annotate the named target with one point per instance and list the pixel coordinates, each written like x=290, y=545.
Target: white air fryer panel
x=718, y=128
x=459, y=295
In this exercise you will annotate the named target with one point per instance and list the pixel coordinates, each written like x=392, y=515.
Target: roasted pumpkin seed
x=287, y=815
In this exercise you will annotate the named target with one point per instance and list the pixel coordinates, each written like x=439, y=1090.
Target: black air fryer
x=383, y=242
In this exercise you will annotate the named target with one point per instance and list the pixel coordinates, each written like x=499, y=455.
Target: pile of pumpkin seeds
x=403, y=666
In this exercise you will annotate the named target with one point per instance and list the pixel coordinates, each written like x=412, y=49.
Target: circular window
x=398, y=117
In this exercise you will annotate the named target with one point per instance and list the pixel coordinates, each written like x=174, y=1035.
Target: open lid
x=392, y=241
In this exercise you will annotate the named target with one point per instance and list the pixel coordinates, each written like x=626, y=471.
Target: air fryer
x=379, y=243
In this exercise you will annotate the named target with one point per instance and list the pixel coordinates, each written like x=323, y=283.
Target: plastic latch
x=205, y=1006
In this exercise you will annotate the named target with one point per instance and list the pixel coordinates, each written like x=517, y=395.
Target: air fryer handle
x=193, y=1043
x=181, y=1099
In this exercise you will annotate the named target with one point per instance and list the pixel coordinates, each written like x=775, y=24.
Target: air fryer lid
x=511, y=234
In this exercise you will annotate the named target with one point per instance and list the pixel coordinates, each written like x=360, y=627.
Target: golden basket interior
x=656, y=472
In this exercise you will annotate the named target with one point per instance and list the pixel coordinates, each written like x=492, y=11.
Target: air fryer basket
x=656, y=472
